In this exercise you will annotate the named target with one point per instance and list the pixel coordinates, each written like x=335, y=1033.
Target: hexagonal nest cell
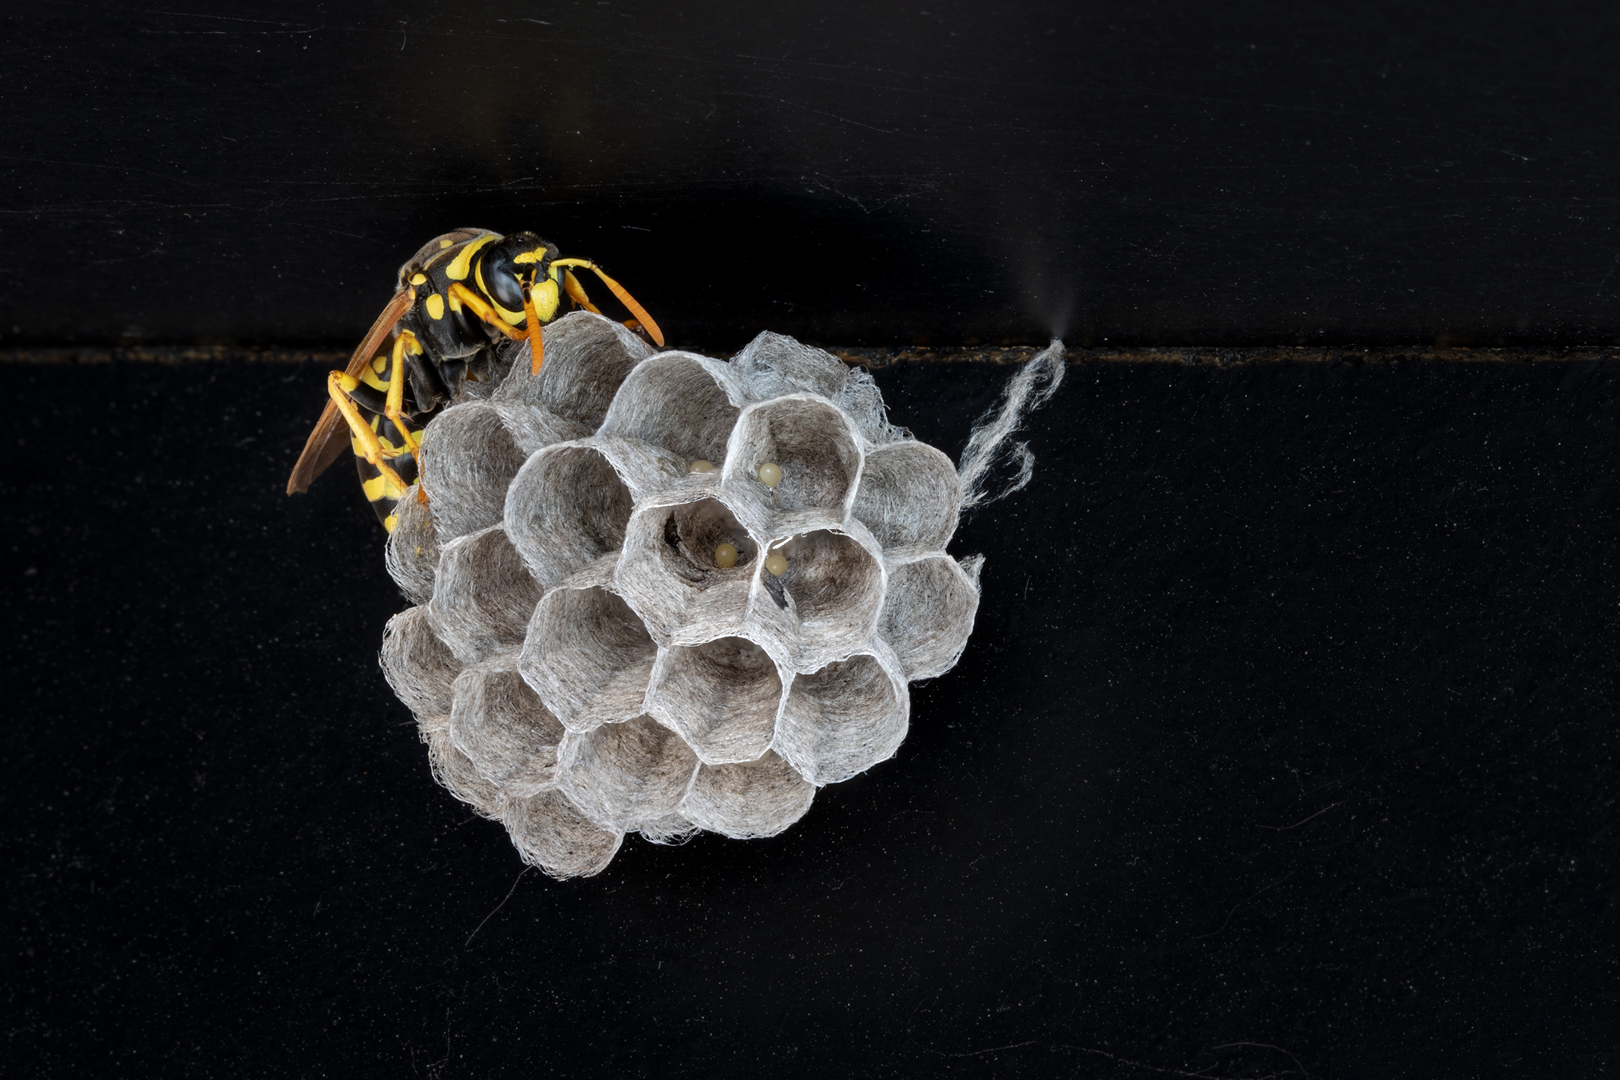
x=663, y=593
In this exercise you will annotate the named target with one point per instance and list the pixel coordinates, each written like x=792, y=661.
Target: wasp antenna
x=537, y=342
x=624, y=296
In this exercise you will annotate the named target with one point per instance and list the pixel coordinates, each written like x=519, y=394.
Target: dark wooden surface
x=1266, y=172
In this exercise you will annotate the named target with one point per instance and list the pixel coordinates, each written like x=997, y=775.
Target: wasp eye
x=500, y=278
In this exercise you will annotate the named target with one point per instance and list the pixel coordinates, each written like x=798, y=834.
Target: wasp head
x=515, y=272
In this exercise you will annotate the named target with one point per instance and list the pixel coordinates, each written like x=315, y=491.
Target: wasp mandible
x=459, y=296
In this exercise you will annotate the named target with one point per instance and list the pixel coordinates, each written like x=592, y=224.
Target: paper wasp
x=459, y=296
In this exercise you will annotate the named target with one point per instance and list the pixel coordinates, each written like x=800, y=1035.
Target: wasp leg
x=624, y=296
x=484, y=311
x=425, y=384
x=387, y=399
x=368, y=445
x=394, y=408
x=577, y=292
x=371, y=398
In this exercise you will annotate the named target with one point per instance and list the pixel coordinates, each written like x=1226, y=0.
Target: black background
x=1255, y=172
x=1285, y=743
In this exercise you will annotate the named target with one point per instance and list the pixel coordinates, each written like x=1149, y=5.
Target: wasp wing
x=435, y=248
x=331, y=435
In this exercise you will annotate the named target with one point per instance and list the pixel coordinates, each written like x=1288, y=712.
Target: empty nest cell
x=504, y=729
x=550, y=832
x=587, y=359
x=483, y=597
x=843, y=719
x=679, y=402
x=454, y=772
x=721, y=696
x=812, y=443
x=420, y=668
x=566, y=508
x=627, y=775
x=929, y=613
x=470, y=454
x=749, y=800
x=774, y=364
x=588, y=657
x=909, y=496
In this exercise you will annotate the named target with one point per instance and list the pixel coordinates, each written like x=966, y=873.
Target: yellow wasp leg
x=484, y=311
x=577, y=292
x=624, y=296
x=394, y=409
x=338, y=385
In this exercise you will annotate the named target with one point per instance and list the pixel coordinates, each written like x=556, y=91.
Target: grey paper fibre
x=599, y=645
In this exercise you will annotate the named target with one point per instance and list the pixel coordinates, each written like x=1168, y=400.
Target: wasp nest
x=660, y=593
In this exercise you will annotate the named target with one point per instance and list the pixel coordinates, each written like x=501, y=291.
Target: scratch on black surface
x=294, y=28
x=101, y=165
x=980, y=1053
x=1264, y=1046
x=1297, y=824
x=498, y=906
x=1202, y=1074
x=818, y=112
x=218, y=18
x=1240, y=903
x=947, y=1054
x=329, y=229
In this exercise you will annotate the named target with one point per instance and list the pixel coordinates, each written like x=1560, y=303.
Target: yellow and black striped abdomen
x=380, y=490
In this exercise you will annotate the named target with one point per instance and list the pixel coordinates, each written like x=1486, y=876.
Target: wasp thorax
x=641, y=681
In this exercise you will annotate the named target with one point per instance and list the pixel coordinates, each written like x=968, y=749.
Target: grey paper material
x=582, y=661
